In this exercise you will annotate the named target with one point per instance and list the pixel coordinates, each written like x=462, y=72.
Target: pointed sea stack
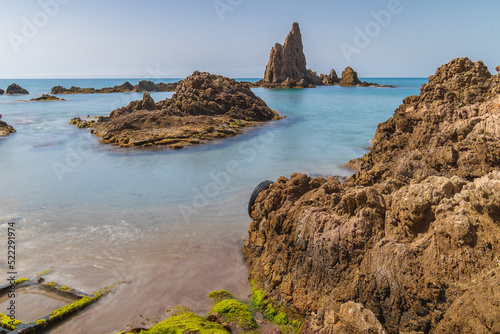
x=287, y=62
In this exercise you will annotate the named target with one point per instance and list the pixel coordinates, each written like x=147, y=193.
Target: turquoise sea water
x=170, y=223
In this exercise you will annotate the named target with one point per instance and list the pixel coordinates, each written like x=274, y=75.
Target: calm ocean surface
x=169, y=223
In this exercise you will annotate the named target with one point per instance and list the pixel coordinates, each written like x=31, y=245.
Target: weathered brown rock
x=205, y=107
x=15, y=89
x=411, y=242
x=451, y=128
x=5, y=129
x=349, y=77
x=288, y=61
x=330, y=79
x=2, y=91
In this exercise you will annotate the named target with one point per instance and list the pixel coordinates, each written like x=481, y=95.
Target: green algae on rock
x=236, y=312
x=8, y=323
x=220, y=295
x=186, y=322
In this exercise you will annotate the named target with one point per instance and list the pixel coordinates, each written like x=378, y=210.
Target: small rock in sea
x=15, y=89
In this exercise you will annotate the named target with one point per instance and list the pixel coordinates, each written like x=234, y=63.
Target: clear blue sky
x=172, y=38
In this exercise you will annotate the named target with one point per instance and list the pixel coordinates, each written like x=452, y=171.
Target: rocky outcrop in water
x=288, y=61
x=205, y=107
x=5, y=129
x=142, y=86
x=2, y=91
x=410, y=243
x=349, y=77
x=15, y=89
x=331, y=79
x=46, y=97
x=287, y=68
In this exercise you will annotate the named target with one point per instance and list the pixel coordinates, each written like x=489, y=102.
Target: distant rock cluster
x=287, y=68
x=142, y=86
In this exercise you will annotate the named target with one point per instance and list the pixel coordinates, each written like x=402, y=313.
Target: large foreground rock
x=451, y=128
x=411, y=242
x=205, y=107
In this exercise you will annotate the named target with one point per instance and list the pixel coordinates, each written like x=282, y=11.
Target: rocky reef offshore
x=411, y=242
x=126, y=87
x=205, y=107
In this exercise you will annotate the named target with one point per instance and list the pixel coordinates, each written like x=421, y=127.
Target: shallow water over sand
x=170, y=224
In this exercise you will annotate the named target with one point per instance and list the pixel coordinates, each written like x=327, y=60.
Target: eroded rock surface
x=451, y=128
x=411, y=242
x=205, y=107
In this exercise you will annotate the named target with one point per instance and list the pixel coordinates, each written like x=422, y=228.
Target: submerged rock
x=409, y=243
x=47, y=97
x=15, y=89
x=205, y=107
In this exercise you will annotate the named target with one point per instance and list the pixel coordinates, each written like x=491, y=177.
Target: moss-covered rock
x=220, y=295
x=20, y=280
x=73, y=307
x=186, y=322
x=281, y=319
x=258, y=297
x=235, y=312
x=7, y=323
x=270, y=312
